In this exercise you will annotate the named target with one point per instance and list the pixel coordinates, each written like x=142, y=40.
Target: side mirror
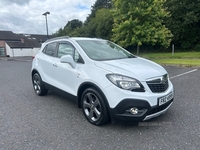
x=68, y=59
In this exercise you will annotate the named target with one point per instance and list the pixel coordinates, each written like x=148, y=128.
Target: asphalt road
x=28, y=121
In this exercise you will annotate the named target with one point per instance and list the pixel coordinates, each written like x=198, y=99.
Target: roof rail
x=57, y=38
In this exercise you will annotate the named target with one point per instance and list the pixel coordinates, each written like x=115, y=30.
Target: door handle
x=55, y=65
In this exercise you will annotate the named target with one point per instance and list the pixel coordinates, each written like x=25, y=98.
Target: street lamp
x=45, y=14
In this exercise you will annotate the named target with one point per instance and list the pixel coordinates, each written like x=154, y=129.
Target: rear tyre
x=94, y=107
x=38, y=85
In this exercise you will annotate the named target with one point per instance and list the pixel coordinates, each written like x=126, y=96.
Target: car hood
x=138, y=68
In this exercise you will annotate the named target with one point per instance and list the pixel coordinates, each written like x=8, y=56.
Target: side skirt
x=66, y=95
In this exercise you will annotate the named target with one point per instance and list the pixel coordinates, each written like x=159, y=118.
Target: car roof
x=85, y=38
x=71, y=38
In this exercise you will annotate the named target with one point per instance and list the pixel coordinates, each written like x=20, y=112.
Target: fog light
x=134, y=111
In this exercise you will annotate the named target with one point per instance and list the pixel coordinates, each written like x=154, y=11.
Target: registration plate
x=165, y=99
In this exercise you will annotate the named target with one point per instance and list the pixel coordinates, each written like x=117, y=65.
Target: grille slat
x=158, y=85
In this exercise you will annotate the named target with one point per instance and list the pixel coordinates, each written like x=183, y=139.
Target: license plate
x=165, y=99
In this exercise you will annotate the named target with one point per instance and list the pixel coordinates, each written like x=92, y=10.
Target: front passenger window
x=65, y=49
x=68, y=49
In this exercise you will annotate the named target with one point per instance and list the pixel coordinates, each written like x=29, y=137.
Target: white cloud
x=22, y=16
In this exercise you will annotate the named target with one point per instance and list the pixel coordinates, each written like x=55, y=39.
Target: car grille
x=158, y=85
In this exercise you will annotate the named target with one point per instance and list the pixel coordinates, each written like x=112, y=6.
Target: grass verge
x=182, y=58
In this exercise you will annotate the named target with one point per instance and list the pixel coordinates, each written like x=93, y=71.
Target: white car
x=105, y=80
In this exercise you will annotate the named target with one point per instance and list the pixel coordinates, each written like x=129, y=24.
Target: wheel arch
x=34, y=71
x=38, y=85
x=86, y=85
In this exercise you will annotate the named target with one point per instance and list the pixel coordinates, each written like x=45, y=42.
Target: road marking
x=183, y=74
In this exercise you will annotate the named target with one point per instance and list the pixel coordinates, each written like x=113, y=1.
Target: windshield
x=103, y=50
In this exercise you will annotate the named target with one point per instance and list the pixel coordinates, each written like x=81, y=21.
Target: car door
x=45, y=64
x=66, y=77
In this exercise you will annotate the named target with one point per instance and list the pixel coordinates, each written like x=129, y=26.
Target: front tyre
x=94, y=107
x=38, y=85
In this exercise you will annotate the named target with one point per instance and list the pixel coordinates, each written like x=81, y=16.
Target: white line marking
x=183, y=74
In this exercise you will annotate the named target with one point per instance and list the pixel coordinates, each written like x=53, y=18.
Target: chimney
x=22, y=40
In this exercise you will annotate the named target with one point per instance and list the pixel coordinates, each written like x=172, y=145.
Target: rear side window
x=50, y=49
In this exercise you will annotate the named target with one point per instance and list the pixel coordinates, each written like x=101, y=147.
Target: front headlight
x=126, y=83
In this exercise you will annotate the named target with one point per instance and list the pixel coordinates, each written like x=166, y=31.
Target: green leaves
x=101, y=24
x=139, y=22
x=98, y=24
x=184, y=22
x=70, y=29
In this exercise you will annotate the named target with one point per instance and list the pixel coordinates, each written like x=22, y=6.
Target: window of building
x=2, y=51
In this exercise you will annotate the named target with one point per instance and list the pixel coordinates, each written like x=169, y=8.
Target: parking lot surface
x=28, y=121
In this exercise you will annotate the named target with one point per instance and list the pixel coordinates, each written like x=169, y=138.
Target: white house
x=16, y=51
x=13, y=45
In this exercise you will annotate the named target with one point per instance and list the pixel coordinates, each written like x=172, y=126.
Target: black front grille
x=158, y=85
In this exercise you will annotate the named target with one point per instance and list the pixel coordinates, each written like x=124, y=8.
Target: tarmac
x=21, y=58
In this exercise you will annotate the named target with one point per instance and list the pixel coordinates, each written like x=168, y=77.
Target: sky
x=25, y=16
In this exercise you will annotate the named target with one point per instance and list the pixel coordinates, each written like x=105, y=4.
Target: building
x=13, y=45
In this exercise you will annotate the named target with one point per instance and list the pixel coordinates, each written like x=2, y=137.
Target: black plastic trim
x=157, y=108
x=86, y=85
x=68, y=96
x=119, y=113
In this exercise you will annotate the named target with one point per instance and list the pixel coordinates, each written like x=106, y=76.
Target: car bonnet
x=138, y=68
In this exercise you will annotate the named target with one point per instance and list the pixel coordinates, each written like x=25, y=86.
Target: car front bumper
x=148, y=104
x=122, y=111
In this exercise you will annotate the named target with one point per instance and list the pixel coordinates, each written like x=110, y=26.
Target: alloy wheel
x=36, y=84
x=92, y=107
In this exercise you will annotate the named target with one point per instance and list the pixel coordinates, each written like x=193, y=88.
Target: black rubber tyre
x=94, y=107
x=38, y=85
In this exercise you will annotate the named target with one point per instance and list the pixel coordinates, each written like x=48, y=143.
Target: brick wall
x=2, y=43
x=2, y=48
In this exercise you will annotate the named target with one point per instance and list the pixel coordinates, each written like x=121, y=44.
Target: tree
x=98, y=23
x=102, y=4
x=73, y=24
x=70, y=29
x=185, y=22
x=140, y=22
x=60, y=32
x=99, y=4
x=101, y=25
x=104, y=20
